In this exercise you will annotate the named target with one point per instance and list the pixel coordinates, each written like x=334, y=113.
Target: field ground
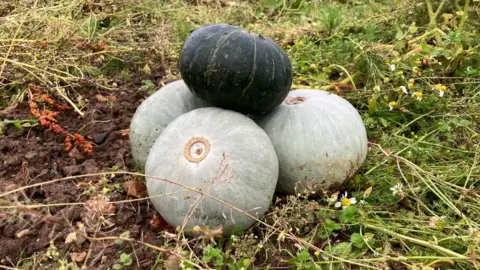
x=411, y=68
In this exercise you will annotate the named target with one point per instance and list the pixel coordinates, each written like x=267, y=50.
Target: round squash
x=233, y=69
x=155, y=113
x=320, y=140
x=220, y=152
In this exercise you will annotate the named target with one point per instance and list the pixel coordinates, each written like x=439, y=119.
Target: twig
x=419, y=242
x=433, y=17
x=287, y=234
x=396, y=154
x=114, y=238
x=15, y=36
x=64, y=96
x=348, y=74
x=342, y=82
x=10, y=268
x=464, y=17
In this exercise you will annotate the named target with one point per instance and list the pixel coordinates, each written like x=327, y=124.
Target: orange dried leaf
x=78, y=257
x=158, y=223
x=109, y=209
x=101, y=98
x=135, y=189
x=99, y=206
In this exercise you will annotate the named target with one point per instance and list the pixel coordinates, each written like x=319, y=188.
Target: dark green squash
x=230, y=68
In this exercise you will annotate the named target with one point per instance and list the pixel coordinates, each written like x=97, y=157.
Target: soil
x=35, y=155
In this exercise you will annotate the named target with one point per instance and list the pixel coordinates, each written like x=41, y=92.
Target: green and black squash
x=230, y=68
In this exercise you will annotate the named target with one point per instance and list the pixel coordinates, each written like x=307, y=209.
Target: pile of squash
x=231, y=133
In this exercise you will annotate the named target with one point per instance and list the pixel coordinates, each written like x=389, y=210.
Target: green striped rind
x=233, y=69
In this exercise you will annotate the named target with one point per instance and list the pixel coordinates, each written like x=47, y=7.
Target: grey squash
x=320, y=140
x=224, y=154
x=155, y=113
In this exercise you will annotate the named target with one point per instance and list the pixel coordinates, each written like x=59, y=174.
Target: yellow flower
x=418, y=95
x=387, y=79
x=400, y=73
x=300, y=44
x=440, y=88
x=411, y=83
x=392, y=105
x=345, y=202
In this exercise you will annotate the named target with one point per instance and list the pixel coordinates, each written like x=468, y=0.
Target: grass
x=411, y=68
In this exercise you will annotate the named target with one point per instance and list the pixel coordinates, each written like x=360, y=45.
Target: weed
x=125, y=260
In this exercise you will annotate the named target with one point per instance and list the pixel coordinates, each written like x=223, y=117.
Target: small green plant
x=215, y=255
x=125, y=234
x=330, y=18
x=304, y=261
x=125, y=260
x=20, y=124
x=148, y=86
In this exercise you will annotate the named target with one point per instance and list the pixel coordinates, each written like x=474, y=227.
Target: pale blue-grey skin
x=321, y=142
x=241, y=169
x=155, y=113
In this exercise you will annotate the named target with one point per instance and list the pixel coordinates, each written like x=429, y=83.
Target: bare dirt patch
x=35, y=155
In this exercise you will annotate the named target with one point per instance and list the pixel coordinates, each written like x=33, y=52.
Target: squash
x=220, y=152
x=320, y=140
x=233, y=69
x=155, y=113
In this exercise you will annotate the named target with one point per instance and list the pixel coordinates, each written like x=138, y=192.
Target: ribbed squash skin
x=320, y=141
x=233, y=69
x=240, y=168
x=155, y=113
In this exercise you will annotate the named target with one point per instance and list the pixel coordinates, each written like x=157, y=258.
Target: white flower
x=392, y=105
x=397, y=189
x=391, y=67
x=404, y=90
x=345, y=202
x=441, y=93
